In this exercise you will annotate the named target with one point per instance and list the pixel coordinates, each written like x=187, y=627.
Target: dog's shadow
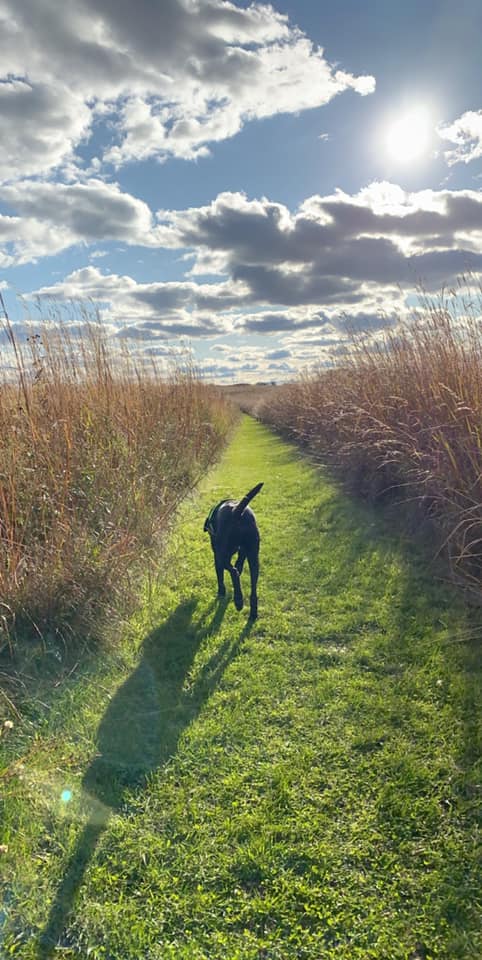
x=139, y=732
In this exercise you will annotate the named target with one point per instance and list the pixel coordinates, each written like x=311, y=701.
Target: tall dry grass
x=404, y=418
x=95, y=453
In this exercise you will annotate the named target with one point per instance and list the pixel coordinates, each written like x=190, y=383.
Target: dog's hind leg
x=254, y=573
x=220, y=575
x=238, y=593
x=240, y=560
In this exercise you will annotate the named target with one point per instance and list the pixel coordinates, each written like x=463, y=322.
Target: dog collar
x=211, y=517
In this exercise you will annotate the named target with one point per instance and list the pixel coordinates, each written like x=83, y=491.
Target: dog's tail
x=244, y=502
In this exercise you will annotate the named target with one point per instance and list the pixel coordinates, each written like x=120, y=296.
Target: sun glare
x=407, y=139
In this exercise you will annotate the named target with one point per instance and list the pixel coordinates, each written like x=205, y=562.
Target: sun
x=407, y=139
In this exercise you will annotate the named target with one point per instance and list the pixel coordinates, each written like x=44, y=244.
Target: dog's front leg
x=254, y=573
x=238, y=594
x=220, y=575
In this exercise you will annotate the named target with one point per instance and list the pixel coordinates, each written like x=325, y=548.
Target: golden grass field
x=95, y=454
x=403, y=419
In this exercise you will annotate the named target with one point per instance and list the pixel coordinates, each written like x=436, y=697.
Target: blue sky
x=238, y=178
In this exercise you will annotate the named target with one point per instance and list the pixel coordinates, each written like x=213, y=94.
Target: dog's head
x=210, y=523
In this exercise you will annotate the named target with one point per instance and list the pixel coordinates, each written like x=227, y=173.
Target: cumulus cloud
x=333, y=248
x=87, y=211
x=466, y=134
x=50, y=217
x=279, y=321
x=170, y=77
x=336, y=256
x=24, y=239
x=40, y=125
x=247, y=365
x=260, y=231
x=320, y=253
x=169, y=309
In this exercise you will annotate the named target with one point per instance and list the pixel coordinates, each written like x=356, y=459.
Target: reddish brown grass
x=405, y=418
x=95, y=453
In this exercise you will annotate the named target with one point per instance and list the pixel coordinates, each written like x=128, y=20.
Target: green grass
x=305, y=787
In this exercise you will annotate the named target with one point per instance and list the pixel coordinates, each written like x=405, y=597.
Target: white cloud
x=283, y=271
x=88, y=211
x=466, y=134
x=173, y=76
x=25, y=239
x=162, y=310
x=55, y=216
x=39, y=126
x=321, y=252
x=334, y=246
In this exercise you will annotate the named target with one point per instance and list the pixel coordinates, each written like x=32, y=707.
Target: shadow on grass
x=426, y=654
x=139, y=733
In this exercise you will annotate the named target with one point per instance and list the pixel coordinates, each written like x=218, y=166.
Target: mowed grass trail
x=304, y=787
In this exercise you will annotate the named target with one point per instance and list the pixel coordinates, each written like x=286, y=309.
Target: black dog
x=232, y=526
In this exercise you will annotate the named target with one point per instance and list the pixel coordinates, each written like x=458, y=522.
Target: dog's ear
x=244, y=502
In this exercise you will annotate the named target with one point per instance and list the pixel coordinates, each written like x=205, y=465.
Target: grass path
x=302, y=788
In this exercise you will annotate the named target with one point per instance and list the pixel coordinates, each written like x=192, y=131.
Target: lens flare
x=66, y=796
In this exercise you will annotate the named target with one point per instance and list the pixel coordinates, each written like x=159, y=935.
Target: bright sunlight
x=407, y=139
